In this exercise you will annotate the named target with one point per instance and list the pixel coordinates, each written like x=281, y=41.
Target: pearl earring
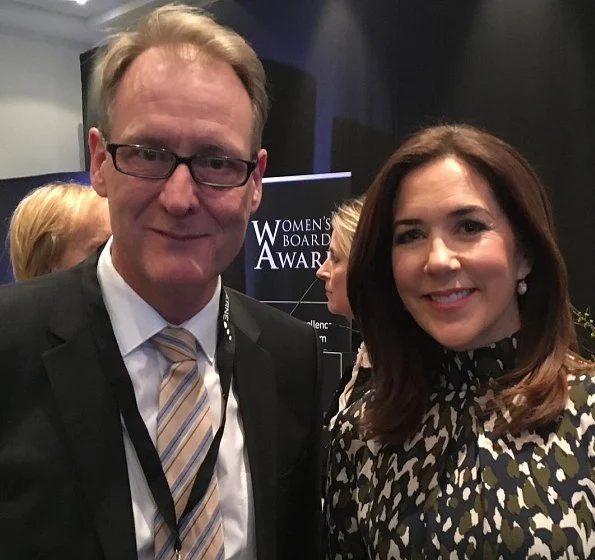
x=521, y=287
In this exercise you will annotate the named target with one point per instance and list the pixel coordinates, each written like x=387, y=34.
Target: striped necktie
x=184, y=435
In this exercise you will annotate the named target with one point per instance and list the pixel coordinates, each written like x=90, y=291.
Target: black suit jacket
x=64, y=489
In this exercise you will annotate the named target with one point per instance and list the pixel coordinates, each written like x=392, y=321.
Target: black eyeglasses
x=151, y=163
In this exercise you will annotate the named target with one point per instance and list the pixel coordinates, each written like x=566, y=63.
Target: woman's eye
x=408, y=236
x=471, y=226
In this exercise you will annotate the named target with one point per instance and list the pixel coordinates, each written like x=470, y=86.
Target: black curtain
x=524, y=71
x=87, y=61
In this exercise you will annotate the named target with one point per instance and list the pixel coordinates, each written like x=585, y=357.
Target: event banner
x=286, y=242
x=11, y=193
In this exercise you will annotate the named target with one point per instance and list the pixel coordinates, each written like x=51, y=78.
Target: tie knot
x=177, y=345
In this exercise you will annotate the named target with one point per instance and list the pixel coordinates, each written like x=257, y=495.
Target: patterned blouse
x=354, y=383
x=456, y=491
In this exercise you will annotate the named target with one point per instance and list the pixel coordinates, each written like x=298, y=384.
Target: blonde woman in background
x=334, y=274
x=55, y=227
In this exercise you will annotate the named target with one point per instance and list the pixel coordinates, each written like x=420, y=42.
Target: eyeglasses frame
x=113, y=147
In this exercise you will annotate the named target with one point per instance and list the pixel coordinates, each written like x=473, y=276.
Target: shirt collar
x=134, y=321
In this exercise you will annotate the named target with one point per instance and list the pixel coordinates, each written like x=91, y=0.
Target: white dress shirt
x=134, y=322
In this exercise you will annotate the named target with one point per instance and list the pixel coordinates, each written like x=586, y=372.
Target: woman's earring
x=521, y=287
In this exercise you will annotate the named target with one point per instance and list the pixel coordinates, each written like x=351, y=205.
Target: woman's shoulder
x=363, y=359
x=350, y=418
x=349, y=430
x=579, y=414
x=581, y=390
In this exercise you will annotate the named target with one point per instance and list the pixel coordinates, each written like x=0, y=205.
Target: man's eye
x=216, y=163
x=142, y=153
x=149, y=155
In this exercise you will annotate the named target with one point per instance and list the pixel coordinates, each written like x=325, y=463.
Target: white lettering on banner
x=319, y=324
x=312, y=235
x=289, y=260
x=266, y=229
x=266, y=255
x=307, y=240
x=307, y=224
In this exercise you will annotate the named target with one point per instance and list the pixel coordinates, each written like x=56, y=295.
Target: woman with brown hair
x=477, y=438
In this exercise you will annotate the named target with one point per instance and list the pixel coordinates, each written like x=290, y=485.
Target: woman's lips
x=450, y=299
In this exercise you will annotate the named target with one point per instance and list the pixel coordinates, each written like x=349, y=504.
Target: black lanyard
x=137, y=430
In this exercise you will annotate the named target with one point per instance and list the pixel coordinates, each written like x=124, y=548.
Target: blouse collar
x=483, y=363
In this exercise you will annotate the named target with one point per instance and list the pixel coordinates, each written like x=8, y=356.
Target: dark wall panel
x=87, y=60
x=289, y=132
x=360, y=149
x=524, y=71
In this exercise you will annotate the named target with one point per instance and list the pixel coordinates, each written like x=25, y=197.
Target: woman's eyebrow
x=458, y=212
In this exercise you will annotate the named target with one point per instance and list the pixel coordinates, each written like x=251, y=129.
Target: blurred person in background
x=55, y=227
x=477, y=438
x=333, y=273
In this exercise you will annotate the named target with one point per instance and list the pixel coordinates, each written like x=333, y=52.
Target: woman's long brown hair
x=402, y=354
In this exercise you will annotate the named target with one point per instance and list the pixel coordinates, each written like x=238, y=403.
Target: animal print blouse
x=454, y=490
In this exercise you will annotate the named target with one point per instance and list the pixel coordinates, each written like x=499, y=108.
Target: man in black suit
x=177, y=153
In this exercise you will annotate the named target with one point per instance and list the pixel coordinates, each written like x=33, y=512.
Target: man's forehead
x=159, y=71
x=174, y=100
x=152, y=66
x=171, y=57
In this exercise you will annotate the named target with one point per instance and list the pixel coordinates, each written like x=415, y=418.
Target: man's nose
x=179, y=195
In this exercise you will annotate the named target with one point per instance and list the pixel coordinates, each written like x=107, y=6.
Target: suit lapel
x=254, y=381
x=91, y=418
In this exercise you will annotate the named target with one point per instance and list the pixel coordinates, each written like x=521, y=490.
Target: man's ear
x=258, y=174
x=98, y=155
